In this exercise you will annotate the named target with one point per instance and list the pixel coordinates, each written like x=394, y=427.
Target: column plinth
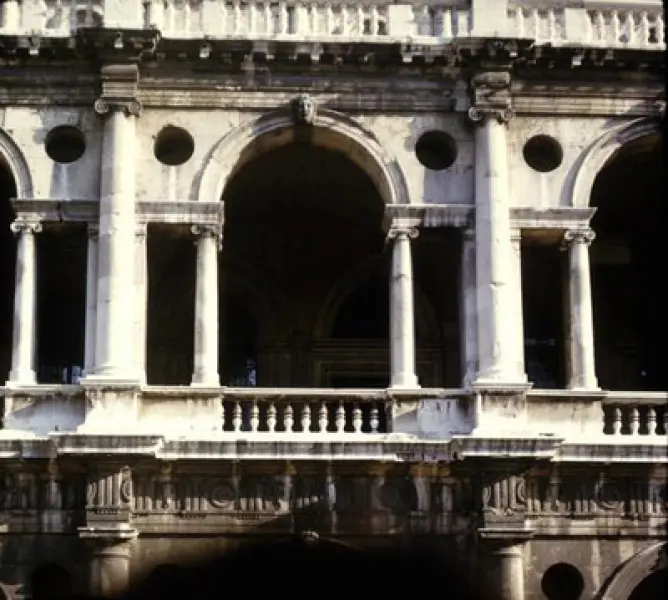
x=108, y=559
x=505, y=547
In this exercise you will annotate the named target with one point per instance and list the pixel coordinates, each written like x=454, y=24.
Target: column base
x=205, y=381
x=112, y=405
x=19, y=379
x=404, y=381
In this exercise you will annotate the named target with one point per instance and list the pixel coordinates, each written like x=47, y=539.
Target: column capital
x=208, y=231
x=22, y=225
x=578, y=236
x=402, y=230
x=119, y=90
x=490, y=97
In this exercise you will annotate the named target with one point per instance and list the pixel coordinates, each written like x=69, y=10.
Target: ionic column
x=580, y=334
x=497, y=295
x=402, y=313
x=141, y=301
x=516, y=241
x=25, y=296
x=468, y=311
x=91, y=298
x=206, y=306
x=114, y=348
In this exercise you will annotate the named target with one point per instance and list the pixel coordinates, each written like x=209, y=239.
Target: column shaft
x=141, y=302
x=510, y=569
x=516, y=241
x=206, y=308
x=468, y=312
x=25, y=302
x=402, y=313
x=497, y=293
x=91, y=298
x=115, y=297
x=109, y=568
x=580, y=337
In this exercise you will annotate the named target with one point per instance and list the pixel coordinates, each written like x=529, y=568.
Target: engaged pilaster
x=497, y=292
x=141, y=301
x=468, y=310
x=91, y=298
x=402, y=313
x=24, y=327
x=209, y=240
x=114, y=354
x=516, y=244
x=580, y=335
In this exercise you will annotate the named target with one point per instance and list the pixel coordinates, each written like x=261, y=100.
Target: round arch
x=330, y=129
x=634, y=571
x=13, y=158
x=601, y=151
x=426, y=321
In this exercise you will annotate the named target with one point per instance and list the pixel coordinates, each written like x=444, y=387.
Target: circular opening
x=174, y=146
x=543, y=153
x=436, y=150
x=65, y=144
x=562, y=582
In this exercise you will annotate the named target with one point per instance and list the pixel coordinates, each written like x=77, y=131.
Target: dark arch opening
x=7, y=269
x=365, y=312
x=652, y=587
x=627, y=288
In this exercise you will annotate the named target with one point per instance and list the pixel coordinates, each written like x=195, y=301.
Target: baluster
x=252, y=18
x=600, y=26
x=269, y=26
x=519, y=21
x=237, y=414
x=617, y=420
x=282, y=18
x=665, y=421
x=254, y=416
x=289, y=418
x=651, y=421
x=446, y=22
x=634, y=422
x=643, y=29
x=222, y=415
x=271, y=417
x=551, y=26
x=357, y=418
x=323, y=418
x=360, y=19
x=615, y=25
x=374, y=420
x=535, y=24
x=340, y=418
x=306, y=417
x=237, y=17
x=186, y=16
x=660, y=30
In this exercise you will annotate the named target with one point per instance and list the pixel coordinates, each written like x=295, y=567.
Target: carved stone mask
x=304, y=110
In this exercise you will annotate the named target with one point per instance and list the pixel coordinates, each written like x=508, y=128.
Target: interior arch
x=7, y=268
x=627, y=292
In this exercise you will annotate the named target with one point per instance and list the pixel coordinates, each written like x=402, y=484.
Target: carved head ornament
x=304, y=110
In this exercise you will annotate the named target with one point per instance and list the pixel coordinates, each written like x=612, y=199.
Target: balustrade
x=637, y=414
x=605, y=24
x=277, y=414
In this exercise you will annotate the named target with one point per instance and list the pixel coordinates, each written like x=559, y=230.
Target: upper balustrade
x=626, y=24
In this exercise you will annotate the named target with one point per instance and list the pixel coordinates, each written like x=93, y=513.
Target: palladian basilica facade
x=373, y=273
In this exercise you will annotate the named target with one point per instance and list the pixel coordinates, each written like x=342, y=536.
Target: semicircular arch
x=330, y=129
x=12, y=156
x=631, y=573
x=597, y=156
x=427, y=327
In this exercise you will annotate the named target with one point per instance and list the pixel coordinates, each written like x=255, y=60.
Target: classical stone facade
x=376, y=273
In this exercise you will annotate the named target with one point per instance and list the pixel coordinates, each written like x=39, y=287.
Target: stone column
x=516, y=241
x=108, y=562
x=505, y=548
x=25, y=301
x=402, y=313
x=497, y=294
x=141, y=301
x=91, y=299
x=114, y=348
x=468, y=311
x=580, y=334
x=206, y=306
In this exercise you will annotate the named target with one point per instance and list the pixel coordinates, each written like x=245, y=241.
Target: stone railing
x=606, y=24
x=636, y=414
x=622, y=24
